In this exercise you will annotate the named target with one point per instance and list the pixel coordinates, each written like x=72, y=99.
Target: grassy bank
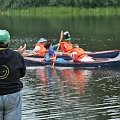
x=62, y=11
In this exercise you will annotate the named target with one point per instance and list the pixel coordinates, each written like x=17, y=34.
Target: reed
x=62, y=11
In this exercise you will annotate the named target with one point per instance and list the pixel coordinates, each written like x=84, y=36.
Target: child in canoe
x=66, y=45
x=77, y=53
x=50, y=53
x=39, y=47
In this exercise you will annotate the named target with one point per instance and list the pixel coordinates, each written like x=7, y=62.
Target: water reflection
x=76, y=79
x=71, y=94
x=47, y=76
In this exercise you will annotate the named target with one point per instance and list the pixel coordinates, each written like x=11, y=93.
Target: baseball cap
x=67, y=36
x=4, y=36
x=42, y=40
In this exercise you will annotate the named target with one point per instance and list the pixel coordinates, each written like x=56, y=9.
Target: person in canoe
x=39, y=47
x=78, y=54
x=66, y=45
x=50, y=54
x=73, y=50
x=37, y=51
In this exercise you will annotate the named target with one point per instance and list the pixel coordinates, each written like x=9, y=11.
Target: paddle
x=61, y=37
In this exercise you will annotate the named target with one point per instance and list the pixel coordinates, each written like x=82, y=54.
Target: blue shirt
x=51, y=52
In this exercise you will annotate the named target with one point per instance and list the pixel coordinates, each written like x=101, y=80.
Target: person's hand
x=58, y=44
x=22, y=49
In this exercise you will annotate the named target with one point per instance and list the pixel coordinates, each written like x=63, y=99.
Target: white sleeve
x=74, y=53
x=37, y=48
x=65, y=46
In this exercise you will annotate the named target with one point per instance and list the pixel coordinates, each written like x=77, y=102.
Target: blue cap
x=42, y=40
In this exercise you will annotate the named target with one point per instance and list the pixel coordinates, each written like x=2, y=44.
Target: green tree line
x=5, y=4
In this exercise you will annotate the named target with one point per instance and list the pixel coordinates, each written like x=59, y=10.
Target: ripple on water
x=56, y=96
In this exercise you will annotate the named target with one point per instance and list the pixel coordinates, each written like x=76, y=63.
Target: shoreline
x=62, y=11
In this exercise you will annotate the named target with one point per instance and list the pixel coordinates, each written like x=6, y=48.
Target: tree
x=73, y=3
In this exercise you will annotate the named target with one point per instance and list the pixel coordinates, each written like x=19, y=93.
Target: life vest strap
x=81, y=56
x=68, y=50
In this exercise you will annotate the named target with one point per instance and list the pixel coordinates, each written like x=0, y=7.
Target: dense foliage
x=74, y=3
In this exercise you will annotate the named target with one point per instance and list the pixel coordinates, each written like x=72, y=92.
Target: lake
x=71, y=94
x=91, y=33
x=68, y=93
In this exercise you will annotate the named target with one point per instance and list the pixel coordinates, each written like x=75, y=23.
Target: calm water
x=91, y=33
x=71, y=94
x=62, y=93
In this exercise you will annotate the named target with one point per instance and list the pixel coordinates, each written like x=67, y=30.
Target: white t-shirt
x=37, y=48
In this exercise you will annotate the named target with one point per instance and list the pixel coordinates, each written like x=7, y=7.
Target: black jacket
x=12, y=68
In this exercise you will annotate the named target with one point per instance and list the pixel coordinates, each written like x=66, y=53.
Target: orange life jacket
x=80, y=54
x=40, y=52
x=66, y=47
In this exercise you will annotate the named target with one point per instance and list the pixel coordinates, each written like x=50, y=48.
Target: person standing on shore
x=12, y=68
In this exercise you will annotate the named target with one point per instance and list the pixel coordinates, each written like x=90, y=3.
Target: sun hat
x=67, y=36
x=4, y=36
x=42, y=40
